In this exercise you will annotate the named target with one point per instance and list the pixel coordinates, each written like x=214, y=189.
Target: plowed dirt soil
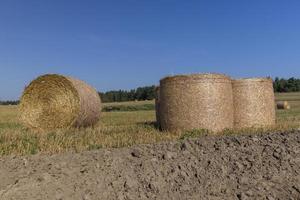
x=262, y=166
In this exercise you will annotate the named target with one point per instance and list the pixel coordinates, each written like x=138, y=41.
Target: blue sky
x=123, y=44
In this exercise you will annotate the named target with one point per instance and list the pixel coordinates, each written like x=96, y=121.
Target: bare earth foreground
x=265, y=166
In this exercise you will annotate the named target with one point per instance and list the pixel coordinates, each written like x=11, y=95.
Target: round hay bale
x=157, y=102
x=283, y=105
x=197, y=101
x=254, y=103
x=53, y=101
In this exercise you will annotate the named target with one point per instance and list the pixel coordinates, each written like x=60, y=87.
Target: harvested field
x=115, y=129
x=262, y=166
x=248, y=164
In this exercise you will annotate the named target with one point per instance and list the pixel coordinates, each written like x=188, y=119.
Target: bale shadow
x=151, y=124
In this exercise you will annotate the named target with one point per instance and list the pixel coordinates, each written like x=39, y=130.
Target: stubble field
x=134, y=123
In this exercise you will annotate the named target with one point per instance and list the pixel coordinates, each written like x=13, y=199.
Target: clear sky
x=123, y=44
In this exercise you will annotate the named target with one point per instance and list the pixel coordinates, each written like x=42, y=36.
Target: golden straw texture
x=198, y=101
x=157, y=102
x=254, y=103
x=53, y=101
x=283, y=105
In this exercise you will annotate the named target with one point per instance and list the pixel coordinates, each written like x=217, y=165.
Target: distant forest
x=139, y=94
x=9, y=102
x=148, y=92
x=286, y=85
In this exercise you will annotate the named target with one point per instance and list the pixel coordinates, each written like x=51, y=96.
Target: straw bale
x=283, y=105
x=157, y=102
x=254, y=103
x=197, y=101
x=54, y=101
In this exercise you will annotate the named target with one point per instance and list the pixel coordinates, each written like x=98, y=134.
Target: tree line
x=9, y=102
x=148, y=92
x=139, y=94
x=286, y=85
